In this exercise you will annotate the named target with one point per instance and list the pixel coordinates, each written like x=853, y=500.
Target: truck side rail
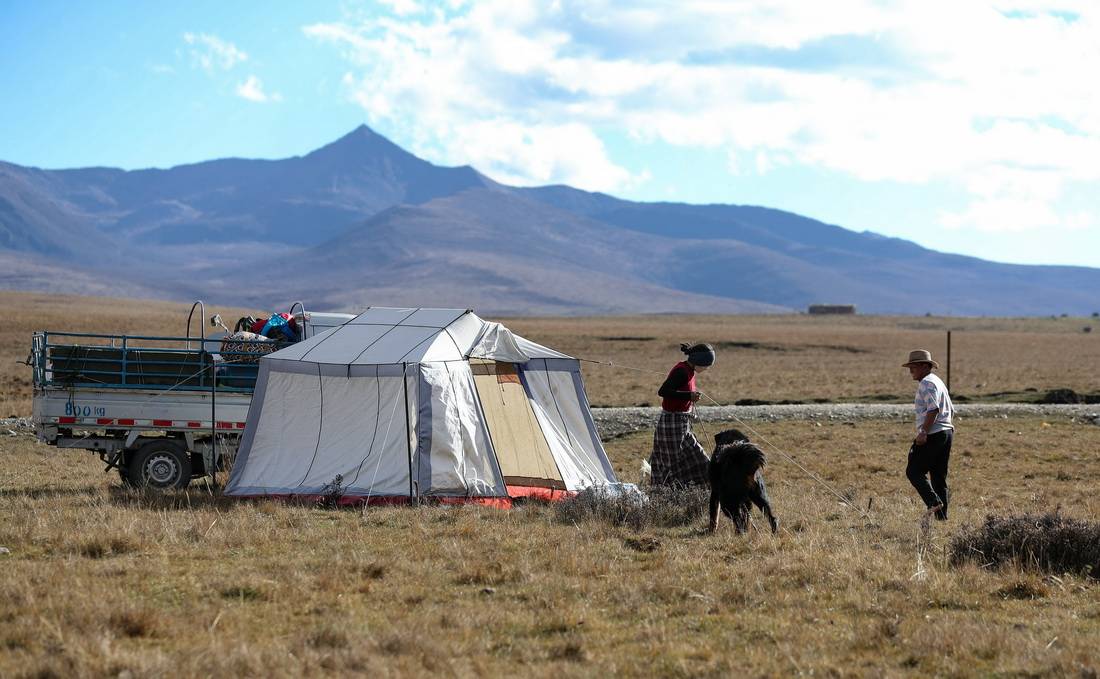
x=90, y=360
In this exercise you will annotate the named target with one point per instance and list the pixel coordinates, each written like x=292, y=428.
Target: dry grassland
x=831, y=358
x=770, y=358
x=102, y=581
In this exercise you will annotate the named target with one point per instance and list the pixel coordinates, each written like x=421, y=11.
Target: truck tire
x=159, y=464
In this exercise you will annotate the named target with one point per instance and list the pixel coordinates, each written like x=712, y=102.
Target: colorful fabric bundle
x=246, y=347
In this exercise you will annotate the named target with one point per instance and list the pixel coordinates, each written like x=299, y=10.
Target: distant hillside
x=362, y=221
x=25, y=271
x=492, y=249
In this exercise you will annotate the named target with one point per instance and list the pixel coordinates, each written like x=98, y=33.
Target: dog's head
x=740, y=457
x=725, y=438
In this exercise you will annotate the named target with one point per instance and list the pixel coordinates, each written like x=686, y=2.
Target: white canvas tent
x=407, y=404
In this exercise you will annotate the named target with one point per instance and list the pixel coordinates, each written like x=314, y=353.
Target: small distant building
x=847, y=309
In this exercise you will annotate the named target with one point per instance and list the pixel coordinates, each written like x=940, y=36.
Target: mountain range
x=363, y=222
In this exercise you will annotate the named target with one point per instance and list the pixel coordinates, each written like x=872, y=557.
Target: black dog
x=735, y=480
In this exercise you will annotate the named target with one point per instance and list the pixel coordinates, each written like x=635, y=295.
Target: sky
x=965, y=126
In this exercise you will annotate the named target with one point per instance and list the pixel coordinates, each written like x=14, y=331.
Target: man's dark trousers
x=930, y=460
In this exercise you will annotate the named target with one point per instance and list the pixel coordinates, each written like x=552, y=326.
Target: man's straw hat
x=920, y=356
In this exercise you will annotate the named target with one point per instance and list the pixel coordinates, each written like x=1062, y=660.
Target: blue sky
x=969, y=127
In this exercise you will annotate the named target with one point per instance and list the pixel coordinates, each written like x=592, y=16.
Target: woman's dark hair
x=692, y=348
x=699, y=354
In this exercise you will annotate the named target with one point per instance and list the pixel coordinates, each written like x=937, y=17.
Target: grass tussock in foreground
x=103, y=581
x=656, y=508
x=1048, y=543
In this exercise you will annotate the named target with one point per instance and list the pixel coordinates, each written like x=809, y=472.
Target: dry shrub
x=572, y=651
x=244, y=593
x=642, y=544
x=402, y=645
x=659, y=506
x=134, y=623
x=1023, y=590
x=492, y=573
x=98, y=548
x=19, y=639
x=1050, y=543
x=328, y=637
x=373, y=571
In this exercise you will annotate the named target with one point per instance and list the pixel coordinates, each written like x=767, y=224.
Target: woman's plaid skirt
x=678, y=458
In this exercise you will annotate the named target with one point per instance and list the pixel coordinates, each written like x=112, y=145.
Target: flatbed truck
x=162, y=411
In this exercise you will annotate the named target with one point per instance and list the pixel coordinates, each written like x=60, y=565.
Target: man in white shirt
x=931, y=449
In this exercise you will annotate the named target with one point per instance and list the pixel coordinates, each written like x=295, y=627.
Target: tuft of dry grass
x=134, y=623
x=658, y=507
x=101, y=547
x=1050, y=543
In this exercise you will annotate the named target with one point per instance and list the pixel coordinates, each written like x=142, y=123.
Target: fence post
x=949, y=361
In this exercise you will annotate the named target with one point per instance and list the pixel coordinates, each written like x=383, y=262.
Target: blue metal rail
x=68, y=359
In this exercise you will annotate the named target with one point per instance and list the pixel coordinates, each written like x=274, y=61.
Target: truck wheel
x=160, y=464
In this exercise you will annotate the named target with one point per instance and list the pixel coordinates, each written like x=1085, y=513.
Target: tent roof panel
x=398, y=345
x=383, y=335
x=441, y=348
x=465, y=331
x=382, y=316
x=295, y=351
x=535, y=350
x=434, y=318
x=346, y=344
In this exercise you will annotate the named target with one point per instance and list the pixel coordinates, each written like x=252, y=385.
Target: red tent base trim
x=514, y=493
x=539, y=493
x=381, y=500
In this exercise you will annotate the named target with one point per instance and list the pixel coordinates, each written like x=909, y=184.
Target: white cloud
x=1016, y=214
x=403, y=7
x=253, y=90
x=1013, y=200
x=541, y=154
x=995, y=97
x=209, y=52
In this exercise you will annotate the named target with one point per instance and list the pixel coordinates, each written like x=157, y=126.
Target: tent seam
x=419, y=343
x=379, y=339
x=374, y=434
x=320, y=427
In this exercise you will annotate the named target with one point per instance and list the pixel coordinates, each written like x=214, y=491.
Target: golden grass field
x=772, y=358
x=832, y=358
x=102, y=581
x=107, y=582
